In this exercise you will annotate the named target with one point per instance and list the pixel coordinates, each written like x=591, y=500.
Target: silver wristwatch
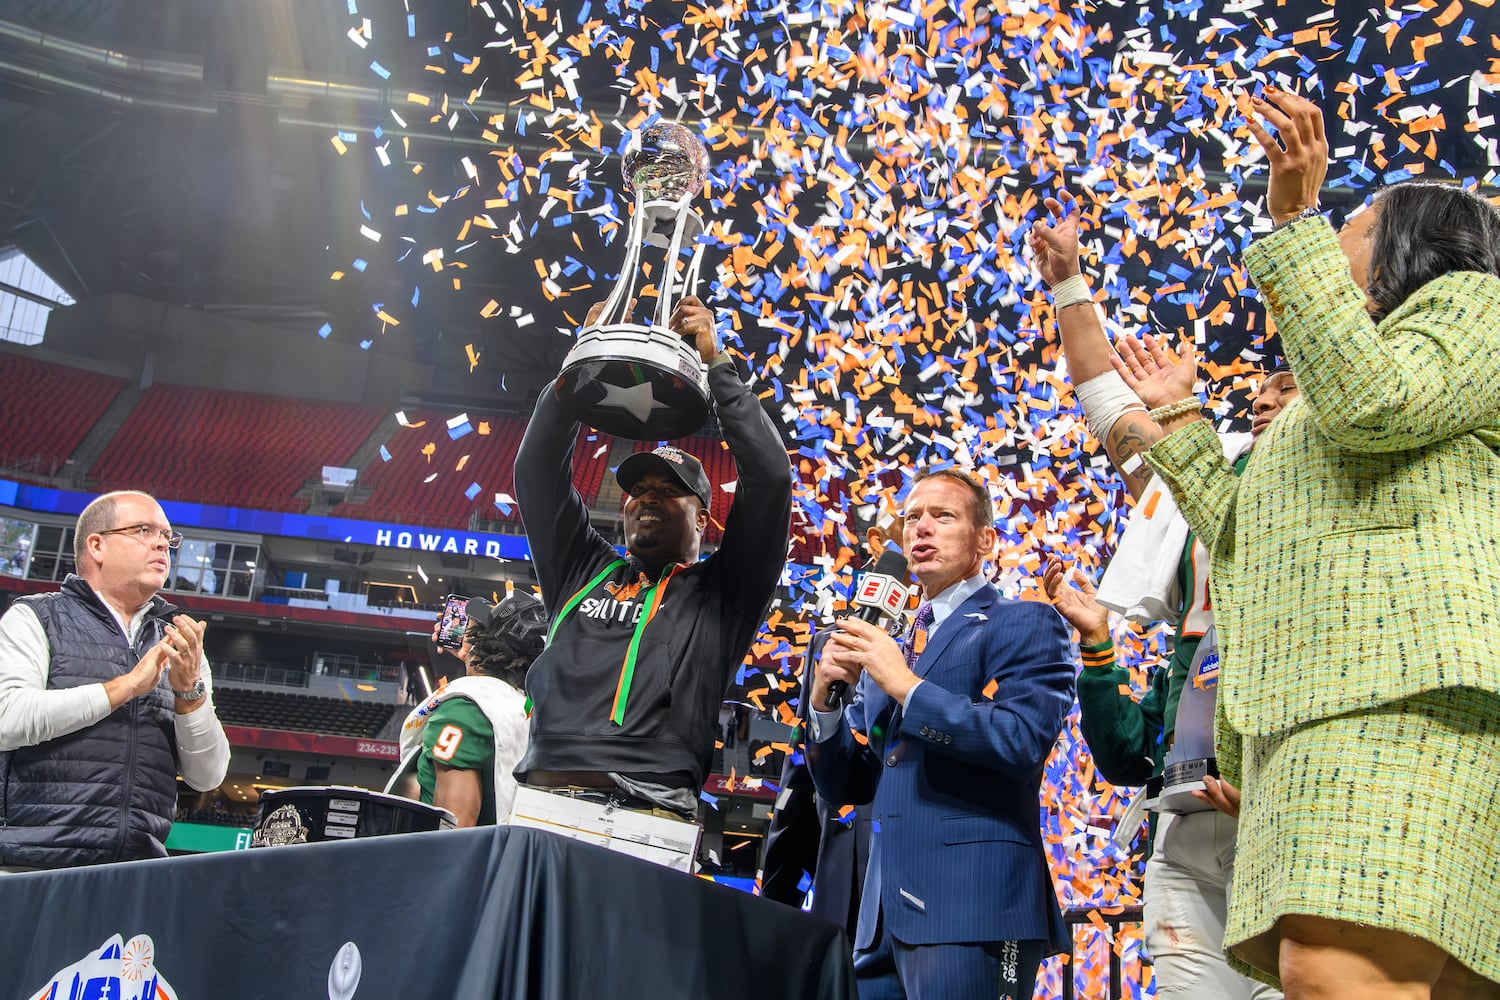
x=193, y=693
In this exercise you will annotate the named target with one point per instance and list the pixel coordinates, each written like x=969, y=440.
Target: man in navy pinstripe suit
x=954, y=725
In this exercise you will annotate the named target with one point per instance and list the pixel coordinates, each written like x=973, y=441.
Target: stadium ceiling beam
x=45, y=61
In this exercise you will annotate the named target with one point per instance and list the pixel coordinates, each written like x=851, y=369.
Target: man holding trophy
x=626, y=696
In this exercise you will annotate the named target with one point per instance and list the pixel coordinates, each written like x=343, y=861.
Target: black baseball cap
x=519, y=621
x=673, y=463
x=478, y=611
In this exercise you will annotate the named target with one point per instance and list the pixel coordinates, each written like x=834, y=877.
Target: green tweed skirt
x=1388, y=818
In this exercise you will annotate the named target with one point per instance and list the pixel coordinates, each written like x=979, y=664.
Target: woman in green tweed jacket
x=1356, y=585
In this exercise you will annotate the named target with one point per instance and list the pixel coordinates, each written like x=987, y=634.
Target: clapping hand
x=183, y=648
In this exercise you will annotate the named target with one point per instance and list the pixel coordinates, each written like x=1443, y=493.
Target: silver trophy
x=622, y=377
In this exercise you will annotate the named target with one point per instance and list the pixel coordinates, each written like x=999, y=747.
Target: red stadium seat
x=242, y=448
x=47, y=410
x=401, y=491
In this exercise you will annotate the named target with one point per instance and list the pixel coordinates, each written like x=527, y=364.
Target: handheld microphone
x=881, y=594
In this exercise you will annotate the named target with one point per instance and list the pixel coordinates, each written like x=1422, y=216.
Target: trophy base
x=640, y=382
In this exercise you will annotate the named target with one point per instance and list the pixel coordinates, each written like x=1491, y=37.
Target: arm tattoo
x=1131, y=436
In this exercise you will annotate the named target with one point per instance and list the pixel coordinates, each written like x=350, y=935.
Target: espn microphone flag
x=881, y=594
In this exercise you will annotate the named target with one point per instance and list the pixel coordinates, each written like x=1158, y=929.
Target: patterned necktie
x=916, y=638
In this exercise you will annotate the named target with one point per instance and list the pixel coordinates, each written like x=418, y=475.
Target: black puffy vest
x=108, y=791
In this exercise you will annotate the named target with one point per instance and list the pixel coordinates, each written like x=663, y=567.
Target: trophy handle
x=617, y=306
x=689, y=224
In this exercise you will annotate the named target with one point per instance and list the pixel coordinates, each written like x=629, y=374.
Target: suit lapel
x=978, y=604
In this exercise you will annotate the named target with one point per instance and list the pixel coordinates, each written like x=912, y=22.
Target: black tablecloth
x=469, y=914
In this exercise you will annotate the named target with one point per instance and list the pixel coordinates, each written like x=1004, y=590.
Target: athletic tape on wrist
x=1105, y=398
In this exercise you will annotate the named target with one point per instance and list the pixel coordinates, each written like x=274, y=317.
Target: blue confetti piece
x=709, y=799
x=380, y=70
x=411, y=26
x=805, y=882
x=385, y=456
x=325, y=330
x=360, y=264
x=416, y=294
x=462, y=429
x=473, y=491
x=364, y=345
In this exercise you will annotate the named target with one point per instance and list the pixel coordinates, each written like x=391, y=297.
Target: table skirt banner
x=492, y=912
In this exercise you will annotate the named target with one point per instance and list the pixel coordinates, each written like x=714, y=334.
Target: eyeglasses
x=147, y=534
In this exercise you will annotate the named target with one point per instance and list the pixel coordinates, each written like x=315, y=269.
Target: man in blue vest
x=104, y=699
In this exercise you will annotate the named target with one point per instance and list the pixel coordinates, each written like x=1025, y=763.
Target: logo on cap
x=669, y=453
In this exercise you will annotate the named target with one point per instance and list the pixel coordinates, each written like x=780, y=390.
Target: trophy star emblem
x=637, y=400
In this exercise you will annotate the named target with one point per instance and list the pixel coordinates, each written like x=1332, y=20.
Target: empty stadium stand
x=242, y=448
x=300, y=713
x=47, y=409
x=430, y=473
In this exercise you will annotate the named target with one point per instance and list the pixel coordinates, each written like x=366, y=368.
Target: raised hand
x=1299, y=161
x=1158, y=376
x=1055, y=247
x=597, y=309
x=1079, y=605
x=694, y=321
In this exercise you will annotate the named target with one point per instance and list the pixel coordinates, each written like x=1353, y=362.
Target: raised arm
x=1122, y=733
x=562, y=539
x=1426, y=373
x=1429, y=371
x=1114, y=414
x=1189, y=458
x=753, y=551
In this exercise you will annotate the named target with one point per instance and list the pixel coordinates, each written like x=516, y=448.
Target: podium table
x=491, y=912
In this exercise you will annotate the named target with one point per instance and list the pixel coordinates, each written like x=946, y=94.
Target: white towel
x=1141, y=579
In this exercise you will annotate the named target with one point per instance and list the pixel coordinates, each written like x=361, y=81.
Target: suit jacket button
x=926, y=731
x=947, y=739
x=890, y=761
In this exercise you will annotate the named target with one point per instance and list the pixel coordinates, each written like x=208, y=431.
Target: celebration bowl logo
x=117, y=971
x=284, y=826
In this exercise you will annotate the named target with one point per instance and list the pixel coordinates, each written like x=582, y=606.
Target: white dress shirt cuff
x=825, y=724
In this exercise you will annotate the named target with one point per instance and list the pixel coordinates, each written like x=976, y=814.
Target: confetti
x=875, y=168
